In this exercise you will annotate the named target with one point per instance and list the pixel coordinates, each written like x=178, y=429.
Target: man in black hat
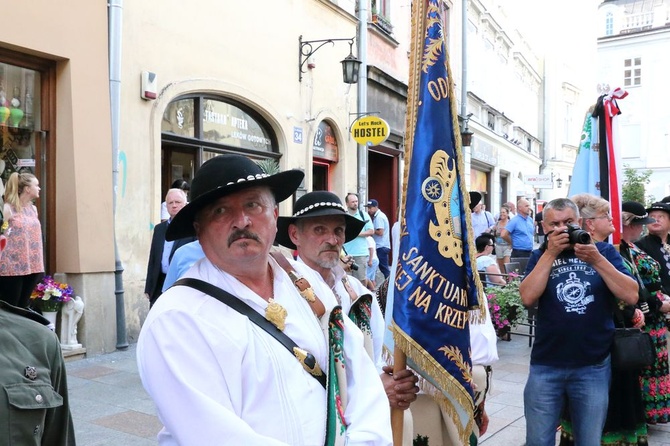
x=217, y=370
x=656, y=243
x=318, y=228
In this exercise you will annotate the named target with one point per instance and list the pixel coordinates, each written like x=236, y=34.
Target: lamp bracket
x=307, y=48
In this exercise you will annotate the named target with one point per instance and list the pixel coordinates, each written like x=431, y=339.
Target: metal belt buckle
x=308, y=361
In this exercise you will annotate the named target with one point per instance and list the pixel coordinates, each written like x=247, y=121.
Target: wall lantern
x=466, y=134
x=350, y=64
x=559, y=180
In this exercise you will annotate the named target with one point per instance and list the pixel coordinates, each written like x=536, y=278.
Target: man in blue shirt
x=574, y=287
x=382, y=235
x=520, y=230
x=358, y=247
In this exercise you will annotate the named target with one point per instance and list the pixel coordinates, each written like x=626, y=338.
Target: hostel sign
x=370, y=130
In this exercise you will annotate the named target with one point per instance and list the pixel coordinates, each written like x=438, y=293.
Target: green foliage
x=420, y=441
x=505, y=304
x=269, y=166
x=634, y=185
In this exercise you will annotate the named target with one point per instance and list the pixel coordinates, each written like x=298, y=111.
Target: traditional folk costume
x=219, y=375
x=346, y=297
x=216, y=377
x=654, y=380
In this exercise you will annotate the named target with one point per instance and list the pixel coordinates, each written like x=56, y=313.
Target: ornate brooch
x=276, y=314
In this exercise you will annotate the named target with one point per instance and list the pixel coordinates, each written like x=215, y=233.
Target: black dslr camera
x=353, y=266
x=577, y=234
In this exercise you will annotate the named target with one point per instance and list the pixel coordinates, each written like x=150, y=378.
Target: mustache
x=329, y=247
x=242, y=233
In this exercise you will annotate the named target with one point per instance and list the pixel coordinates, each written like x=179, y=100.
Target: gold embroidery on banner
x=424, y=361
x=434, y=47
x=438, y=189
x=276, y=314
x=454, y=354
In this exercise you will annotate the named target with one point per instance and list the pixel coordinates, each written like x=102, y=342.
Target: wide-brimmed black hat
x=223, y=175
x=641, y=217
x=659, y=206
x=318, y=204
x=475, y=198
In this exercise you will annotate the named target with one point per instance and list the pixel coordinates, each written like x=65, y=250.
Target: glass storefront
x=19, y=117
x=199, y=127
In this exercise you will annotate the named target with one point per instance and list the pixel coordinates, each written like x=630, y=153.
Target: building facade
x=139, y=84
x=633, y=39
x=56, y=84
x=109, y=110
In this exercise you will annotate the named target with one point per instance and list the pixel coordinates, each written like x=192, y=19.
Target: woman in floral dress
x=654, y=380
x=22, y=264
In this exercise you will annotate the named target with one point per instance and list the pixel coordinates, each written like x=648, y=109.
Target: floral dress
x=23, y=254
x=655, y=379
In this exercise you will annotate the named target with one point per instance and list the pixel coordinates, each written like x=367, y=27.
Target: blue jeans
x=383, y=255
x=586, y=389
x=372, y=270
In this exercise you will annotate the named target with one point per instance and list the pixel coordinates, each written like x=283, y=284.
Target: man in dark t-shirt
x=574, y=287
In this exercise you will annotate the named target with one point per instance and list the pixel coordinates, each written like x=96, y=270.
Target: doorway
x=176, y=163
x=320, y=180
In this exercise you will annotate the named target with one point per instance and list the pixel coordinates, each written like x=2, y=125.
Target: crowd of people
x=256, y=316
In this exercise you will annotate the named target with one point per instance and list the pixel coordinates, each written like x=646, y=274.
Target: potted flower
x=505, y=306
x=50, y=295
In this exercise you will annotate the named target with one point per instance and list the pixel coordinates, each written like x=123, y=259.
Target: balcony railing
x=638, y=21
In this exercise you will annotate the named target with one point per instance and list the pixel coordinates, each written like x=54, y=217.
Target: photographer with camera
x=625, y=414
x=574, y=286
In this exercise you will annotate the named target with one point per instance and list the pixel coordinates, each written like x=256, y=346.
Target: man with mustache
x=319, y=227
x=233, y=353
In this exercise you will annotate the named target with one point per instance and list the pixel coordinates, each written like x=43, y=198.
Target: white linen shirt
x=377, y=324
x=217, y=378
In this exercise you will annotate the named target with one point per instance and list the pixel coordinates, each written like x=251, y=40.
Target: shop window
x=19, y=116
x=218, y=123
x=179, y=118
x=325, y=145
x=196, y=128
x=224, y=123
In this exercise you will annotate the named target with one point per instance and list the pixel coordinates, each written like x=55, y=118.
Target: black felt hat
x=659, y=206
x=318, y=204
x=640, y=215
x=475, y=198
x=223, y=175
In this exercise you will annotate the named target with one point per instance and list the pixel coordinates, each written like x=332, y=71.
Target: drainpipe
x=464, y=59
x=362, y=95
x=115, y=26
x=467, y=151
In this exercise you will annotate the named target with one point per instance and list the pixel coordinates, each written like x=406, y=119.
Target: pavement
x=110, y=407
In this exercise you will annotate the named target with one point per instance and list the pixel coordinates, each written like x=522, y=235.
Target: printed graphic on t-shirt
x=574, y=293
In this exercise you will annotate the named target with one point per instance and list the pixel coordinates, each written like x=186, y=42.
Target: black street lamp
x=466, y=134
x=350, y=64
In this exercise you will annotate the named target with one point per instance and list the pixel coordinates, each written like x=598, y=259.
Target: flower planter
x=51, y=316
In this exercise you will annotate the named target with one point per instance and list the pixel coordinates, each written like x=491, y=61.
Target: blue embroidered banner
x=434, y=286
x=586, y=171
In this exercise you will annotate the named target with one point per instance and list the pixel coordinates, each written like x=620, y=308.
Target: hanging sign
x=370, y=130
